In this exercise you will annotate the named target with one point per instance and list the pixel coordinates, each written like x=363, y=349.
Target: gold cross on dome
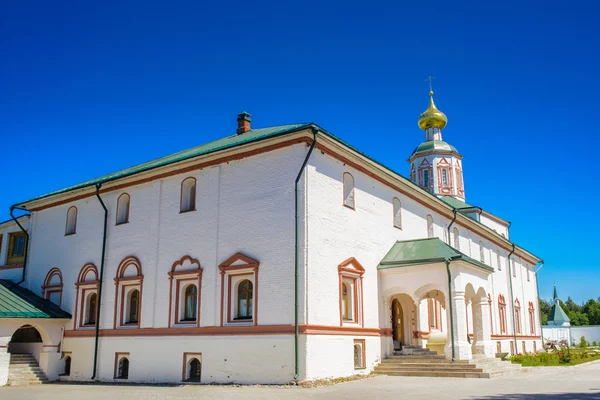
x=430, y=78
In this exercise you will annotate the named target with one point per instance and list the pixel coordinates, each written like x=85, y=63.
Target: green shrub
x=583, y=343
x=594, y=343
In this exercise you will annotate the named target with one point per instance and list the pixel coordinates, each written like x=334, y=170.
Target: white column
x=462, y=348
x=482, y=338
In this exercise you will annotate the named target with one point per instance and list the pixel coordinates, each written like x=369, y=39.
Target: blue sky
x=88, y=89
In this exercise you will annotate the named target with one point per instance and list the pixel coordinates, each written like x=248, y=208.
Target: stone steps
x=431, y=364
x=24, y=369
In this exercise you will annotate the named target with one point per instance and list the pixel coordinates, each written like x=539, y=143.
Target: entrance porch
x=430, y=295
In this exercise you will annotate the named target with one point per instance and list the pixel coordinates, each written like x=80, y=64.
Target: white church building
x=270, y=255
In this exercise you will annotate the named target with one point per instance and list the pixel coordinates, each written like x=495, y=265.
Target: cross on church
x=430, y=78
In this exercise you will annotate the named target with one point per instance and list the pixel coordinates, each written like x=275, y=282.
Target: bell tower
x=435, y=165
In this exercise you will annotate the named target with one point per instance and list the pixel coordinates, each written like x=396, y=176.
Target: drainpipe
x=296, y=259
x=512, y=297
x=450, y=302
x=25, y=252
x=98, y=185
x=537, y=287
x=454, y=210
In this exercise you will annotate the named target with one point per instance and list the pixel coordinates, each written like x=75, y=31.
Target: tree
x=545, y=307
x=578, y=318
x=592, y=310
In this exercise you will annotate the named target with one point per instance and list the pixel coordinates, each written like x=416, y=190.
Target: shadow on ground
x=593, y=394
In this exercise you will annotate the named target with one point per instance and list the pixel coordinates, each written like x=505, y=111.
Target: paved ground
x=551, y=383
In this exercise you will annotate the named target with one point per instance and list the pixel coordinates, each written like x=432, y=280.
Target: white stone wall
x=244, y=206
x=250, y=359
x=501, y=228
x=336, y=233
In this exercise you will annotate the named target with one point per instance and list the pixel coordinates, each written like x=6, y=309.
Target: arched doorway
x=397, y=323
x=26, y=340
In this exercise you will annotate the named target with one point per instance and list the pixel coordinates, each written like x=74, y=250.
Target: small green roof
x=433, y=145
x=557, y=315
x=424, y=251
x=18, y=302
x=456, y=203
x=253, y=135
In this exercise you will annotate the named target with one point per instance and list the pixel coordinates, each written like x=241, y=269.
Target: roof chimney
x=243, y=121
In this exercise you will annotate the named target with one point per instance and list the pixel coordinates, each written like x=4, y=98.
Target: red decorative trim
x=233, y=331
x=122, y=282
x=420, y=335
x=48, y=289
x=353, y=270
x=82, y=287
x=250, y=266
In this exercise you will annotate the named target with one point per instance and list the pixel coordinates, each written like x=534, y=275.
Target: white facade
x=242, y=228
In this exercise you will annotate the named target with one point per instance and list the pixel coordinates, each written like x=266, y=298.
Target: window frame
x=351, y=196
x=15, y=259
x=502, y=314
x=249, y=300
x=363, y=346
x=531, y=310
x=119, y=356
x=517, y=316
x=456, y=235
x=234, y=270
x=185, y=371
x=430, y=227
x=126, y=221
x=351, y=272
x=84, y=287
x=124, y=286
x=184, y=272
x=192, y=204
x=397, y=212
x=68, y=231
x=48, y=288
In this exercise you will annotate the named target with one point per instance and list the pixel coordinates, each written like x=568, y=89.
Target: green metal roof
x=456, y=203
x=251, y=136
x=227, y=142
x=18, y=302
x=424, y=251
x=433, y=145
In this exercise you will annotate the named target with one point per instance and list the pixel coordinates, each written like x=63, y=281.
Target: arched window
x=345, y=303
x=359, y=353
x=429, y=226
x=194, y=370
x=481, y=252
x=426, y=178
x=123, y=209
x=245, y=300
x=499, y=261
x=53, y=286
x=518, y=315
x=134, y=306
x=188, y=195
x=502, y=313
x=191, y=303
x=456, y=239
x=123, y=370
x=445, y=177
x=531, y=319
x=92, y=306
x=67, y=370
x=348, y=190
x=397, y=213
x=71, y=226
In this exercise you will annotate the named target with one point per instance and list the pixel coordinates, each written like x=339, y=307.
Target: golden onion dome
x=432, y=117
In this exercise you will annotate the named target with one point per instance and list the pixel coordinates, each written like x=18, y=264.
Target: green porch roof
x=424, y=251
x=456, y=203
x=18, y=302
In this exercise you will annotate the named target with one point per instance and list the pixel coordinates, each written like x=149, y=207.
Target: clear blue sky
x=88, y=89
